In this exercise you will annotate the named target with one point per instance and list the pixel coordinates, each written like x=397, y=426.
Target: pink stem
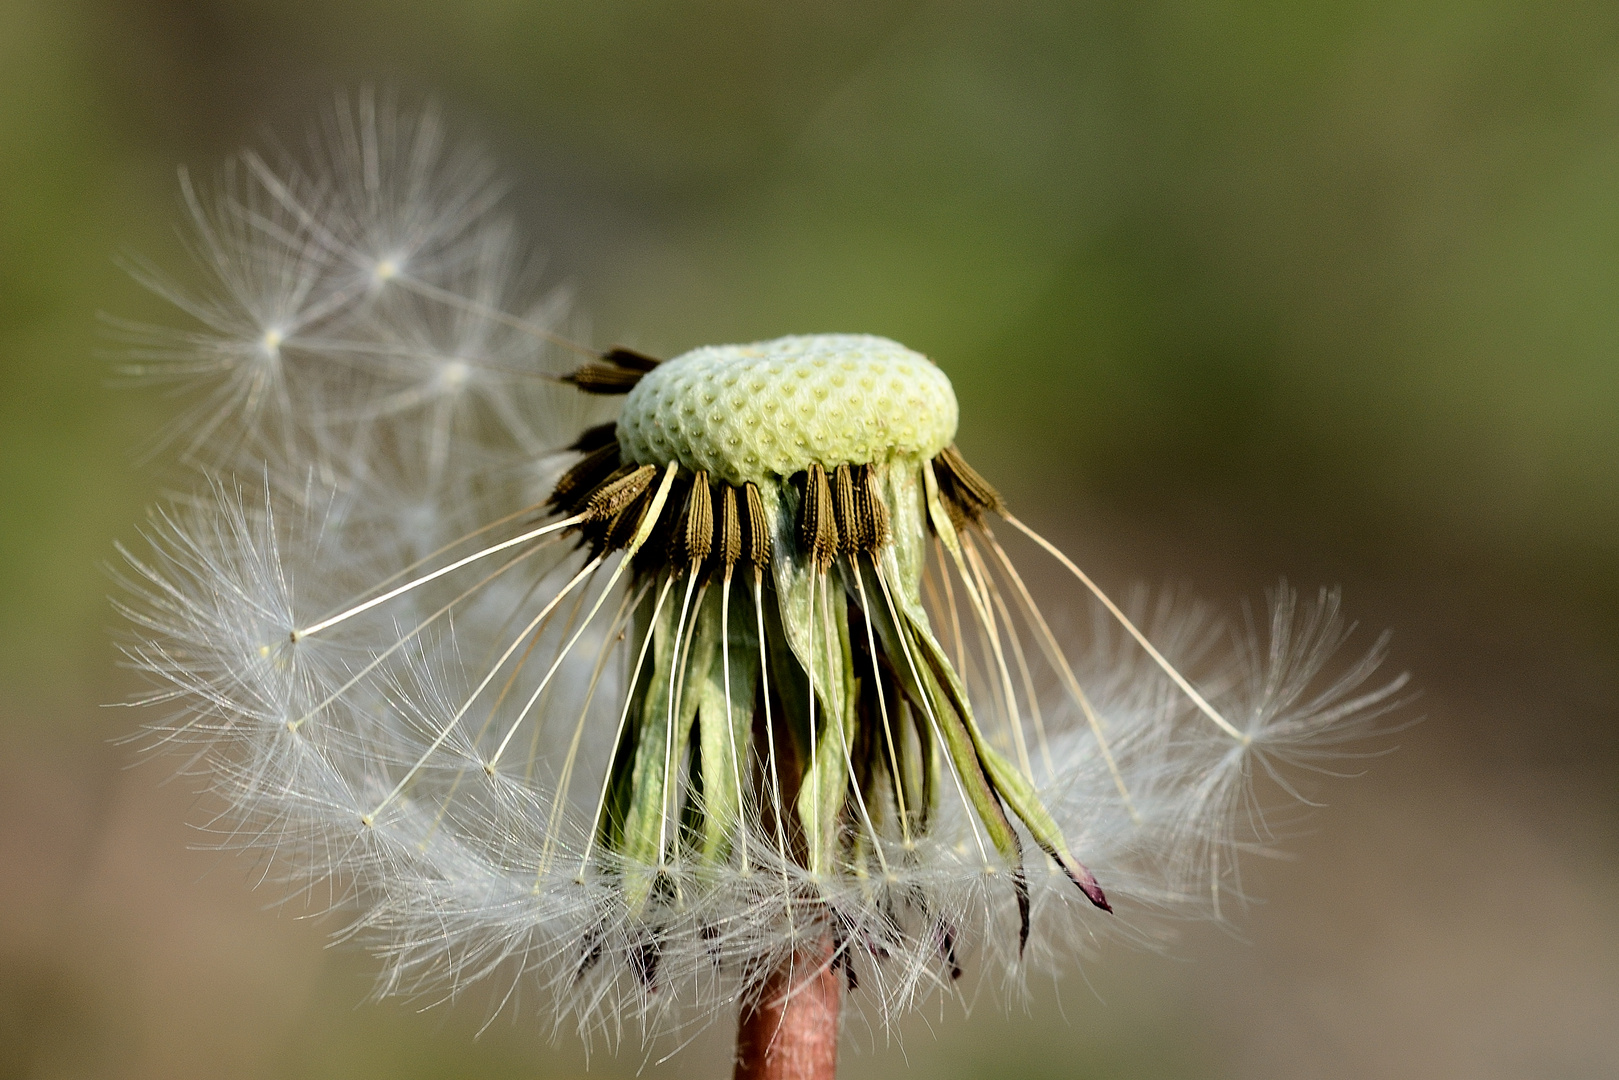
x=789, y=1028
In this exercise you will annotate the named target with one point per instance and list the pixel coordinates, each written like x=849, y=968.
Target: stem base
x=789, y=1029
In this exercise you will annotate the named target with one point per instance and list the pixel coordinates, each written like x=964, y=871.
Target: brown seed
x=695, y=538
x=851, y=529
x=604, y=379
x=967, y=496
x=876, y=511
x=579, y=482
x=597, y=437
x=618, y=492
x=730, y=529
x=758, y=528
x=817, y=527
x=630, y=359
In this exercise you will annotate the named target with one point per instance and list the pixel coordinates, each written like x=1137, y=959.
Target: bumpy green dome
x=773, y=408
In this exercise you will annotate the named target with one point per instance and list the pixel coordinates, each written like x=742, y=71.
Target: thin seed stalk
x=788, y=1029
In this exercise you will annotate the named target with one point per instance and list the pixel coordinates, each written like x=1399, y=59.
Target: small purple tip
x=1087, y=884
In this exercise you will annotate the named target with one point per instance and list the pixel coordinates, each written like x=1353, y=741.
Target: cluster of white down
x=372, y=399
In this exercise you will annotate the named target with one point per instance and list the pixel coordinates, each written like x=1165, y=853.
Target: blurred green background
x=1227, y=290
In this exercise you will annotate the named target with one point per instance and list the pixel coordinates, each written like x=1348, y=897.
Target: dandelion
x=656, y=689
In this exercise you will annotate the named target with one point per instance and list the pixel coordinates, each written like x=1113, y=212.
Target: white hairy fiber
x=406, y=683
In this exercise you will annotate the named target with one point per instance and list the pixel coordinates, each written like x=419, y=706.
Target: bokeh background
x=1229, y=291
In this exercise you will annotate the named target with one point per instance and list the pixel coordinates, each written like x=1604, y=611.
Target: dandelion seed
x=754, y=710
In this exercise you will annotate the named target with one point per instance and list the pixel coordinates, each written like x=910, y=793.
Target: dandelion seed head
x=621, y=683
